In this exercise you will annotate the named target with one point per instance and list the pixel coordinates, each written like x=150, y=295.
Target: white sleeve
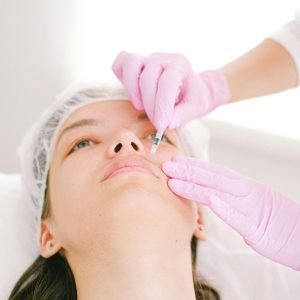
x=289, y=37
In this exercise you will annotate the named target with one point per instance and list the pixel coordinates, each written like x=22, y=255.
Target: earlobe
x=199, y=231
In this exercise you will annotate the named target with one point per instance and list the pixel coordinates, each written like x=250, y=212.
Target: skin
x=266, y=69
x=126, y=237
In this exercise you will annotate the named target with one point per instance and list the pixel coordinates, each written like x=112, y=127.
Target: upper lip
x=129, y=162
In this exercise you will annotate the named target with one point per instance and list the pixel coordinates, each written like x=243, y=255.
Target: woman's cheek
x=73, y=175
x=169, y=151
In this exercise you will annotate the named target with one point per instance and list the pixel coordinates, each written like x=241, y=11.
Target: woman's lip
x=129, y=169
x=129, y=163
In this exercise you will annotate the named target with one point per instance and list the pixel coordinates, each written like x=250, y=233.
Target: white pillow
x=15, y=231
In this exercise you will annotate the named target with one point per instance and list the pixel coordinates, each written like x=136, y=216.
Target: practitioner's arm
x=266, y=69
x=171, y=93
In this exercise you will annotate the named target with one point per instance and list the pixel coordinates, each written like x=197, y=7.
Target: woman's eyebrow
x=93, y=123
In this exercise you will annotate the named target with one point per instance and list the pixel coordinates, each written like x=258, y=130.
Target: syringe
x=156, y=142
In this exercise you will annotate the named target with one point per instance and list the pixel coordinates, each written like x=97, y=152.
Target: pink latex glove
x=166, y=87
x=268, y=221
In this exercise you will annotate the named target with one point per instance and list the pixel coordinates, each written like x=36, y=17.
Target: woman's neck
x=145, y=271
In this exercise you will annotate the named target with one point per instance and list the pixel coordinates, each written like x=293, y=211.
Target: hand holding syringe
x=170, y=92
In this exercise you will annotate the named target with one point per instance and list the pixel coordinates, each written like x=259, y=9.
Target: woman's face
x=89, y=209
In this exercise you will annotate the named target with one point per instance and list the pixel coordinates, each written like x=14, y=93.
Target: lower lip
x=130, y=169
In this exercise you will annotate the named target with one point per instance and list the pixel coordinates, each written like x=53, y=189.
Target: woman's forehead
x=104, y=110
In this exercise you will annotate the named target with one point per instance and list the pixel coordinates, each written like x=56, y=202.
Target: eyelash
x=164, y=139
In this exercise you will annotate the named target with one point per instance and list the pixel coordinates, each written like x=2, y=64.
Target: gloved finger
x=148, y=85
x=183, y=113
x=132, y=67
x=231, y=216
x=127, y=68
x=193, y=103
x=234, y=218
x=209, y=166
x=117, y=64
x=167, y=96
x=194, y=174
x=192, y=191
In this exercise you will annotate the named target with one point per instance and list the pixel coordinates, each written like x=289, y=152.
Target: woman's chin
x=142, y=193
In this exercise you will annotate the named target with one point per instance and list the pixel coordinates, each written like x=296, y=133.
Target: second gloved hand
x=268, y=221
x=167, y=88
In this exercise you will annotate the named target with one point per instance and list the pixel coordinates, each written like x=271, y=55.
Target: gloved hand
x=165, y=86
x=268, y=221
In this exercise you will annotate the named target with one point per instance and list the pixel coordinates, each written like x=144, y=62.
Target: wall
x=268, y=158
x=45, y=45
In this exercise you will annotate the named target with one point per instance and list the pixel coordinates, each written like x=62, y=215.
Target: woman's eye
x=81, y=144
x=87, y=142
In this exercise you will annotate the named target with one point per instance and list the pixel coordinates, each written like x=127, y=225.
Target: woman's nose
x=126, y=141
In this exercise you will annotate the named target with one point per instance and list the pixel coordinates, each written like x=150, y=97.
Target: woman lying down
x=106, y=224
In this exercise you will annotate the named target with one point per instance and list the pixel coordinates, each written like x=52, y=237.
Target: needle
x=156, y=142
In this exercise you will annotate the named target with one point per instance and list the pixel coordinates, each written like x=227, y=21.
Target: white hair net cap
x=36, y=148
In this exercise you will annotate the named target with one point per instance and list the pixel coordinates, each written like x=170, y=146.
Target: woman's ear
x=48, y=244
x=199, y=231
